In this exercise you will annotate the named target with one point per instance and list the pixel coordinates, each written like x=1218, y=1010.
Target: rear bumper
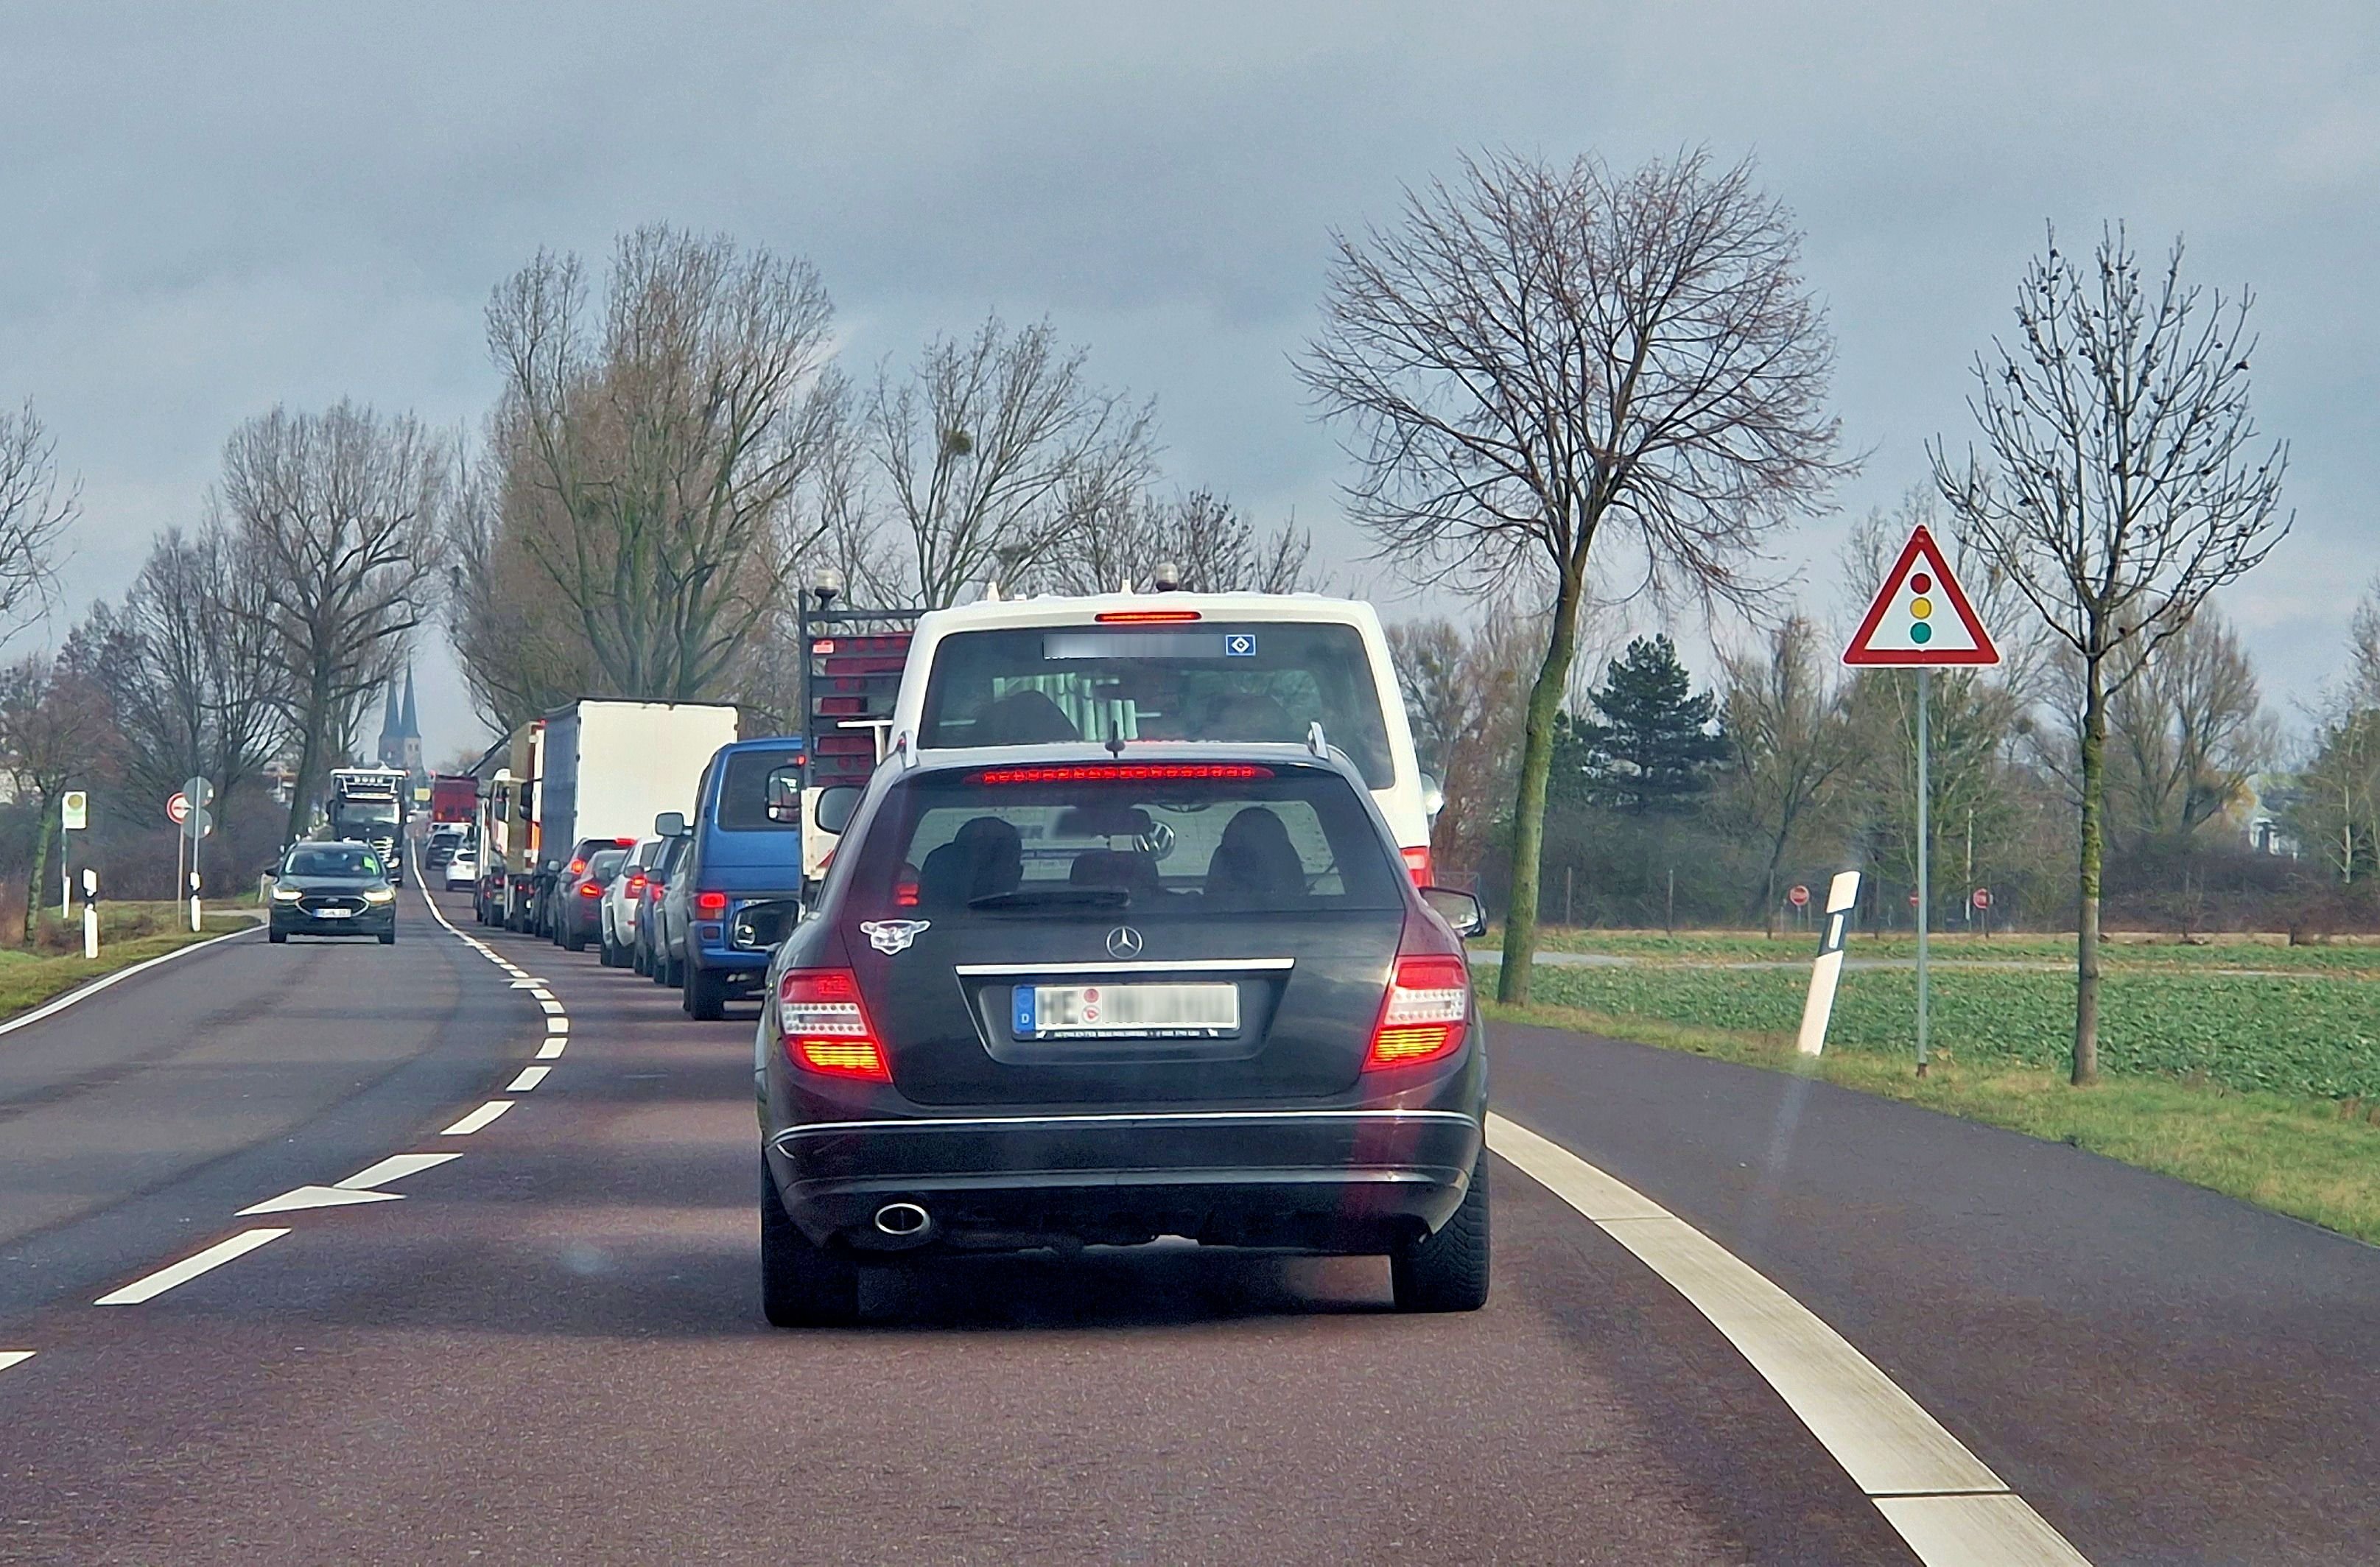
x=1325, y=1180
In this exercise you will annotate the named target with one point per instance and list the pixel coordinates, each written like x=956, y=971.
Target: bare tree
x=1209, y=541
x=34, y=513
x=336, y=517
x=1546, y=351
x=2126, y=482
x=521, y=646
x=2189, y=731
x=54, y=731
x=192, y=671
x=1783, y=718
x=994, y=449
x=655, y=460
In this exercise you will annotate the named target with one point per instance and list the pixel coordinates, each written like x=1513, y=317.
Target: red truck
x=453, y=796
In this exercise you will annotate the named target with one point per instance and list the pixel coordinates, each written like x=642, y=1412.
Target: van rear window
x=761, y=790
x=953, y=845
x=1264, y=682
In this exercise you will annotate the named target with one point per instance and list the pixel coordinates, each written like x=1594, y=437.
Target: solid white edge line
x=155, y=1284
x=478, y=1119
x=1884, y=1440
x=59, y=1004
x=395, y=1167
x=531, y=1076
x=14, y=1357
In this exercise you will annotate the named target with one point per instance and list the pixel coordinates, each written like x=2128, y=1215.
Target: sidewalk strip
x=1947, y=1504
x=189, y=1268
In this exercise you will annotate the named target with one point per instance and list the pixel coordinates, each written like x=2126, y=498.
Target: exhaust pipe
x=903, y=1221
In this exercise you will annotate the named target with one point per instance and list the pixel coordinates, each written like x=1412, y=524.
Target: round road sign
x=177, y=807
x=1983, y=898
x=1799, y=896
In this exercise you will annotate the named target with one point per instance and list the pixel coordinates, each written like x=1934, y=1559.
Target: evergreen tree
x=1654, y=749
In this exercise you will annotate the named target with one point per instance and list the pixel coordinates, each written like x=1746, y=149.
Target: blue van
x=738, y=887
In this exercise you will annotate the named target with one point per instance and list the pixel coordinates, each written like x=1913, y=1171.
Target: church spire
x=409, y=727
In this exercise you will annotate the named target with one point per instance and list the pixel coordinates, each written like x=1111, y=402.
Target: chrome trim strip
x=1186, y=965
x=936, y=1124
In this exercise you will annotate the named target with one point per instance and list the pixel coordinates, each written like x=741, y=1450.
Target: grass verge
x=2312, y=1159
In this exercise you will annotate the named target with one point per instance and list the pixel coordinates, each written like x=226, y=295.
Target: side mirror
x=836, y=803
x=1459, y=910
x=670, y=824
x=1433, y=797
x=551, y=865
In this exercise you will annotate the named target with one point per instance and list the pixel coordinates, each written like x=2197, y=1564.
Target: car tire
x=706, y=995
x=576, y=941
x=672, y=973
x=278, y=938
x=1448, y=1271
x=802, y=1285
x=388, y=938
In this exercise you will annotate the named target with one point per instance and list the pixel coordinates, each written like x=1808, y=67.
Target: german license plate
x=333, y=913
x=1125, y=1012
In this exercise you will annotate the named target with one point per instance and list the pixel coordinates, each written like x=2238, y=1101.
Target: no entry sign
x=1799, y=897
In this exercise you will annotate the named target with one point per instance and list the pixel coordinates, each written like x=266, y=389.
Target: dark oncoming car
x=332, y=889
x=1061, y=997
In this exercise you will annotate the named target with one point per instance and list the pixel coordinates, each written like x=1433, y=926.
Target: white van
x=1171, y=666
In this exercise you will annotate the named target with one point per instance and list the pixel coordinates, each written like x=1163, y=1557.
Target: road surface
x=547, y=1343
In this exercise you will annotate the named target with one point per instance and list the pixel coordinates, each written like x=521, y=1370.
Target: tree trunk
x=317, y=718
x=37, y=878
x=1529, y=810
x=2086, y=939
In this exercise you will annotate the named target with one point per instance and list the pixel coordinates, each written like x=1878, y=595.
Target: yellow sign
x=74, y=810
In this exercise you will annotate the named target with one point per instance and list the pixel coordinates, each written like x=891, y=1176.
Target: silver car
x=623, y=899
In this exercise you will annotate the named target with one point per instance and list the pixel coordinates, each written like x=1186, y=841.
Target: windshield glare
x=331, y=859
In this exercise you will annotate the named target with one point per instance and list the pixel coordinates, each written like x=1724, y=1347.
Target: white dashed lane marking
x=395, y=1167
x=552, y=1048
x=531, y=1076
x=189, y=1268
x=312, y=1196
x=478, y=1118
x=1946, y=1502
x=14, y=1357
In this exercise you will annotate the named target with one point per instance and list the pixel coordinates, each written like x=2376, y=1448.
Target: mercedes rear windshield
x=1265, y=682
x=1186, y=840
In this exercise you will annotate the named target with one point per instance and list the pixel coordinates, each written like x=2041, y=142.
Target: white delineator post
x=89, y=913
x=1843, y=893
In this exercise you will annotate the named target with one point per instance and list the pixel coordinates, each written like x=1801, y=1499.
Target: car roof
x=1063, y=610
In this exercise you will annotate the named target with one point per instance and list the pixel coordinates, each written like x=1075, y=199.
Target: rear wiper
x=1054, y=897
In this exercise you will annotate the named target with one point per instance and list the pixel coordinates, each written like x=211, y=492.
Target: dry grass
x=2314, y=1159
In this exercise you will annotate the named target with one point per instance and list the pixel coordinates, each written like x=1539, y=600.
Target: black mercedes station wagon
x=1060, y=997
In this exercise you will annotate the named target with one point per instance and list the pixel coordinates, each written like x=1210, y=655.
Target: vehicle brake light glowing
x=1422, y=1018
x=636, y=885
x=825, y=1027
x=1129, y=773
x=590, y=889
x=1145, y=617
x=576, y=868
x=1417, y=865
x=905, y=895
x=710, y=906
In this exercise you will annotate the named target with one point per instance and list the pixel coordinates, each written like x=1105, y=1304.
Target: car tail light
x=710, y=906
x=575, y=867
x=636, y=885
x=624, y=843
x=1422, y=1018
x=1417, y=865
x=825, y=1027
x=1145, y=617
x=590, y=888
x=1128, y=772
x=905, y=895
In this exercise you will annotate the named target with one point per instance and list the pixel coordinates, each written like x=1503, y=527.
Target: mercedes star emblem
x=1124, y=941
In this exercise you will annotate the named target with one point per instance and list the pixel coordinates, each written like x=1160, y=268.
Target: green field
x=2250, y=1068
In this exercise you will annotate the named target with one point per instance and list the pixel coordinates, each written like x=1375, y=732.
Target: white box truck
x=610, y=767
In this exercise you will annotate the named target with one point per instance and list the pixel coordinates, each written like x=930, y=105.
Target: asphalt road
x=551, y=1346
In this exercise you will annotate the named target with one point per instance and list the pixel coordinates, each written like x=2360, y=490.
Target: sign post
x=74, y=816
x=1906, y=627
x=196, y=822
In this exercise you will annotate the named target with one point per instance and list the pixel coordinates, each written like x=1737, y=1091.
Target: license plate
x=1125, y=1012
x=333, y=913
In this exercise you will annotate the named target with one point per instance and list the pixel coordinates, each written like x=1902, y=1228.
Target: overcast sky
x=208, y=210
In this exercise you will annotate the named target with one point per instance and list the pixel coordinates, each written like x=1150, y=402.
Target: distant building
x=400, y=733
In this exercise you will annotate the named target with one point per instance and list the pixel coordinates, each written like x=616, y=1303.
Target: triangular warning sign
x=1921, y=617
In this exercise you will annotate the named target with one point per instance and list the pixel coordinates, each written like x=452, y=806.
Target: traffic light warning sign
x=1921, y=617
